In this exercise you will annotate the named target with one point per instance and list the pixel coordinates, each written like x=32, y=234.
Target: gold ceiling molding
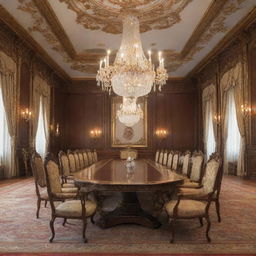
x=107, y=15
x=229, y=37
x=210, y=14
x=15, y=26
x=46, y=23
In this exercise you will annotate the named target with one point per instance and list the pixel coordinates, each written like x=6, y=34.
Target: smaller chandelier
x=130, y=112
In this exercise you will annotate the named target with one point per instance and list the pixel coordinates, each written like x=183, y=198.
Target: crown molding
x=17, y=28
x=209, y=16
x=227, y=39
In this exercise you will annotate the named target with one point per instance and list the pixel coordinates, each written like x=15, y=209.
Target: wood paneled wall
x=85, y=107
x=241, y=49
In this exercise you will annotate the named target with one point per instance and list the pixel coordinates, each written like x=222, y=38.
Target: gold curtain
x=41, y=89
x=209, y=96
x=8, y=78
x=234, y=78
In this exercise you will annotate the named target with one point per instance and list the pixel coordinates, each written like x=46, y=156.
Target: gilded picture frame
x=137, y=135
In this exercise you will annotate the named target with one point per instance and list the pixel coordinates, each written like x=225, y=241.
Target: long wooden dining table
x=113, y=175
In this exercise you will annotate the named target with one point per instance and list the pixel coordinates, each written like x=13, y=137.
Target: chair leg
x=52, y=229
x=84, y=229
x=92, y=219
x=172, y=224
x=38, y=207
x=208, y=228
x=217, y=205
x=45, y=203
x=64, y=222
x=201, y=221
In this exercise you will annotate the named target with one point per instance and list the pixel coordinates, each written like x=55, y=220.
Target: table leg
x=129, y=211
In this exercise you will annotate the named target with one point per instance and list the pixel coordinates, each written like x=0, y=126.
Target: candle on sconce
x=159, y=57
x=149, y=56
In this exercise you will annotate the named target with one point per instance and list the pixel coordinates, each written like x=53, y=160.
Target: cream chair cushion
x=77, y=162
x=165, y=158
x=54, y=177
x=44, y=195
x=69, y=190
x=175, y=162
x=40, y=174
x=186, y=208
x=72, y=162
x=68, y=185
x=73, y=208
x=157, y=156
x=65, y=165
x=197, y=162
x=190, y=184
x=169, y=162
x=185, y=165
x=191, y=191
x=161, y=158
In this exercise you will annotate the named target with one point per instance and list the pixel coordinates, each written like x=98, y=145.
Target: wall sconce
x=55, y=130
x=246, y=110
x=26, y=114
x=95, y=133
x=161, y=133
x=217, y=119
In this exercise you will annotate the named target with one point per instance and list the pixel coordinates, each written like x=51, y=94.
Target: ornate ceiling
x=74, y=34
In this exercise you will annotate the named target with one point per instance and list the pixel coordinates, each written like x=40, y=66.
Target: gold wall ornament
x=105, y=15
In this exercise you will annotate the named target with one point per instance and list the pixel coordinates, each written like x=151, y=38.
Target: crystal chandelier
x=132, y=74
x=130, y=112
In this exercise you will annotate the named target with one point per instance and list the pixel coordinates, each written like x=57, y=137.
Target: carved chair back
x=81, y=160
x=77, y=160
x=165, y=158
x=169, y=160
x=212, y=174
x=90, y=159
x=175, y=160
x=157, y=156
x=197, y=166
x=161, y=156
x=86, y=161
x=64, y=163
x=186, y=163
x=52, y=176
x=72, y=162
x=37, y=167
x=95, y=155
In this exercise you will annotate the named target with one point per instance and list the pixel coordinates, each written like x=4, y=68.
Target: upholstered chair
x=196, y=205
x=81, y=159
x=95, y=155
x=72, y=162
x=161, y=156
x=67, y=177
x=157, y=156
x=197, y=190
x=86, y=161
x=40, y=182
x=165, y=158
x=186, y=163
x=175, y=161
x=169, y=160
x=71, y=209
x=78, y=167
x=195, y=176
x=90, y=159
x=128, y=152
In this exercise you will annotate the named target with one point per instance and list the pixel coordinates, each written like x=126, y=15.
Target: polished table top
x=114, y=172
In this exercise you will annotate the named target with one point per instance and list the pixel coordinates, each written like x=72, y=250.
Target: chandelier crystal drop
x=130, y=112
x=132, y=74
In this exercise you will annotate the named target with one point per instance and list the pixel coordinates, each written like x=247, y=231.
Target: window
x=5, y=139
x=233, y=134
x=209, y=134
x=40, y=134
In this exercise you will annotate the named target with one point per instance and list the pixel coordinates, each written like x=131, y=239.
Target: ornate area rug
x=21, y=232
